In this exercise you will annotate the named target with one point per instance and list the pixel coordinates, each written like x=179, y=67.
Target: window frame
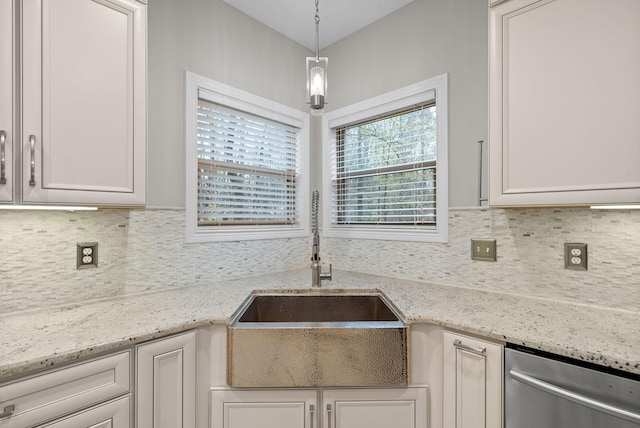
x=433, y=89
x=196, y=87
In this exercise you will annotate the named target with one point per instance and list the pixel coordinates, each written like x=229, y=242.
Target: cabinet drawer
x=114, y=414
x=56, y=393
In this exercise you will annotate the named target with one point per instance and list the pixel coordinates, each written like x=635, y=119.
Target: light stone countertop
x=34, y=340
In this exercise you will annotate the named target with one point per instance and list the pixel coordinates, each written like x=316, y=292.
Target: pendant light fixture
x=317, y=75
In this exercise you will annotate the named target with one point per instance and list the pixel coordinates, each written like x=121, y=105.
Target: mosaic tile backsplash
x=530, y=249
x=144, y=250
x=138, y=251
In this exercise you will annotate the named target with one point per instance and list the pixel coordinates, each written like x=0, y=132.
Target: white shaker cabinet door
x=375, y=408
x=7, y=137
x=267, y=408
x=472, y=382
x=166, y=382
x=564, y=97
x=83, y=102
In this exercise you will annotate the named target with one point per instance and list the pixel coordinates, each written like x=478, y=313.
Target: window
x=246, y=165
x=387, y=173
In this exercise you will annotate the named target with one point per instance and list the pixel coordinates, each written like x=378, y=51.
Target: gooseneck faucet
x=316, y=268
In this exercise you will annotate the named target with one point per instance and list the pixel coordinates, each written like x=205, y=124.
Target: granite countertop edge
x=36, y=340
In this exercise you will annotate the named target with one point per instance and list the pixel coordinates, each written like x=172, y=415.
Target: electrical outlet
x=484, y=250
x=575, y=256
x=87, y=255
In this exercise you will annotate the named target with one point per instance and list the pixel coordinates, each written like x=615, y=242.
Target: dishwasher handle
x=575, y=397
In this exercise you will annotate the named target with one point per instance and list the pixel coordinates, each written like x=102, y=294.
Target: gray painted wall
x=208, y=37
x=215, y=40
x=424, y=39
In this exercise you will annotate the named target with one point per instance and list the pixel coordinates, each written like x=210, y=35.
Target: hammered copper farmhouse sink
x=316, y=339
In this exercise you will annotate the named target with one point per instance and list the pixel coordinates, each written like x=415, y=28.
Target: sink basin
x=317, y=339
x=303, y=308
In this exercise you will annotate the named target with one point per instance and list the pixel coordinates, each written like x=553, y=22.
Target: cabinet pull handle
x=312, y=411
x=480, y=157
x=3, y=175
x=480, y=350
x=329, y=413
x=8, y=411
x=32, y=145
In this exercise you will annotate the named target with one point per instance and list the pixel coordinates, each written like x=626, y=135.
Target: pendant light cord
x=317, y=18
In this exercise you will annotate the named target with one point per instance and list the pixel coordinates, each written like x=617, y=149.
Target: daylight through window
x=386, y=169
x=385, y=174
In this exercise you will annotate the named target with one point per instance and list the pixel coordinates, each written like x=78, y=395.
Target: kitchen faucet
x=316, y=268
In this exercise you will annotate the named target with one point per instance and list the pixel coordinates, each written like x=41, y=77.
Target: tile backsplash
x=144, y=250
x=139, y=251
x=530, y=248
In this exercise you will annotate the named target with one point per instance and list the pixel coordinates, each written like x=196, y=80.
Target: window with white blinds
x=246, y=168
x=386, y=169
x=246, y=165
x=387, y=173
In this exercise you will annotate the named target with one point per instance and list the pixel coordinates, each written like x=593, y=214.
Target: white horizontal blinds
x=246, y=168
x=386, y=169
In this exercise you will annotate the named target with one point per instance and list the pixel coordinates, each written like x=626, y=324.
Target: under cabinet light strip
x=615, y=207
x=47, y=207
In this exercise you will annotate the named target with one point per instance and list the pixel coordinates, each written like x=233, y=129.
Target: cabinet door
x=115, y=414
x=472, y=390
x=285, y=408
x=6, y=99
x=375, y=408
x=166, y=382
x=83, y=101
x=62, y=391
x=564, y=98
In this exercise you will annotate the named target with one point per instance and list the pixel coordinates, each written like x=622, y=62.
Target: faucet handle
x=327, y=275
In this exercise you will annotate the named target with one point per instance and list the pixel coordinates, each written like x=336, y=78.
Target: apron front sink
x=317, y=339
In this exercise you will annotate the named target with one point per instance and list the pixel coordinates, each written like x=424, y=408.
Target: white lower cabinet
x=327, y=408
x=276, y=408
x=59, y=397
x=472, y=382
x=166, y=382
x=464, y=377
x=375, y=408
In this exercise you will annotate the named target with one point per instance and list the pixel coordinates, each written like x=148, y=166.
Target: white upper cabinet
x=83, y=102
x=6, y=100
x=564, y=95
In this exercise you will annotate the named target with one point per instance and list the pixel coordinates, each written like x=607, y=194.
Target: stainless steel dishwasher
x=546, y=391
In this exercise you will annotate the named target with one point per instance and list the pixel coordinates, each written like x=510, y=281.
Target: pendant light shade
x=317, y=75
x=317, y=83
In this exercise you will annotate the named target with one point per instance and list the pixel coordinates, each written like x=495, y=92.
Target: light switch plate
x=484, y=250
